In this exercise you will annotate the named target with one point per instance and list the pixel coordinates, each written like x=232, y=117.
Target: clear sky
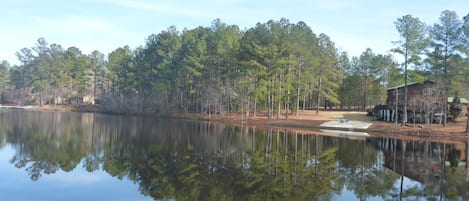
x=105, y=25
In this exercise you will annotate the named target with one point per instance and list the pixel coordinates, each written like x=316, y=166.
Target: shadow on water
x=185, y=160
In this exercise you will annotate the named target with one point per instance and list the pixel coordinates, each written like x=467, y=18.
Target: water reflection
x=438, y=167
x=181, y=160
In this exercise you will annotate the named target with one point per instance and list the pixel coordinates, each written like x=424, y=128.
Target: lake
x=84, y=156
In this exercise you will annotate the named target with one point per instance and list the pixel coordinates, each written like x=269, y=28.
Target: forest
x=276, y=67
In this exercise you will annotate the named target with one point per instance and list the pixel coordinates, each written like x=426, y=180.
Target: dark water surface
x=81, y=156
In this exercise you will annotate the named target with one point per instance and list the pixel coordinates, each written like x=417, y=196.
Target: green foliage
x=367, y=78
x=413, y=33
x=281, y=60
x=122, y=72
x=447, y=40
x=78, y=68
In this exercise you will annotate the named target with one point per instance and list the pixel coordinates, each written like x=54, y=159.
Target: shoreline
x=306, y=122
x=311, y=123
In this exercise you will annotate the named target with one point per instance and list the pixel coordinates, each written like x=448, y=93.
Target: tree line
x=278, y=67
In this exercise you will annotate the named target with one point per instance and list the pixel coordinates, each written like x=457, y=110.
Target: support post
x=467, y=121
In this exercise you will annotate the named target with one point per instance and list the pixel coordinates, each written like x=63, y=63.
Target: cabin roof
x=410, y=84
x=402, y=85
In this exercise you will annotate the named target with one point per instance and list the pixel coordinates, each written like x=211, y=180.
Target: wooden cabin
x=424, y=103
x=422, y=99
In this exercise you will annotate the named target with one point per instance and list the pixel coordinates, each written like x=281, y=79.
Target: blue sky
x=105, y=25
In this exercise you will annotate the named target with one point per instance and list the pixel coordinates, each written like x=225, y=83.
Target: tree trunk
x=242, y=113
x=247, y=110
x=71, y=88
x=55, y=98
x=279, y=107
x=319, y=95
x=404, y=111
x=446, y=87
x=342, y=94
x=255, y=106
x=199, y=102
x=311, y=94
x=143, y=102
x=298, y=101
x=287, y=106
x=94, y=87
x=269, y=103
x=427, y=114
x=272, y=103
x=365, y=96
x=230, y=104
x=298, y=90
x=304, y=101
x=397, y=105
x=208, y=108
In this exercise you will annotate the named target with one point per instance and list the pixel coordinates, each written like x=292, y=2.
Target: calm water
x=74, y=156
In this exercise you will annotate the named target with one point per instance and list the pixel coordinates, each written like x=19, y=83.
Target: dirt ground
x=304, y=121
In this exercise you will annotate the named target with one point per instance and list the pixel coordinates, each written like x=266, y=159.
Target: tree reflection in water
x=184, y=160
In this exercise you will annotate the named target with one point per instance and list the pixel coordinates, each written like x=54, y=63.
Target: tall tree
x=58, y=73
x=224, y=44
x=193, y=55
x=98, y=69
x=19, y=79
x=160, y=68
x=78, y=69
x=303, y=47
x=465, y=63
x=413, y=41
x=39, y=74
x=447, y=36
x=370, y=69
x=384, y=75
x=122, y=74
x=327, y=74
x=366, y=68
x=344, y=63
x=256, y=56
